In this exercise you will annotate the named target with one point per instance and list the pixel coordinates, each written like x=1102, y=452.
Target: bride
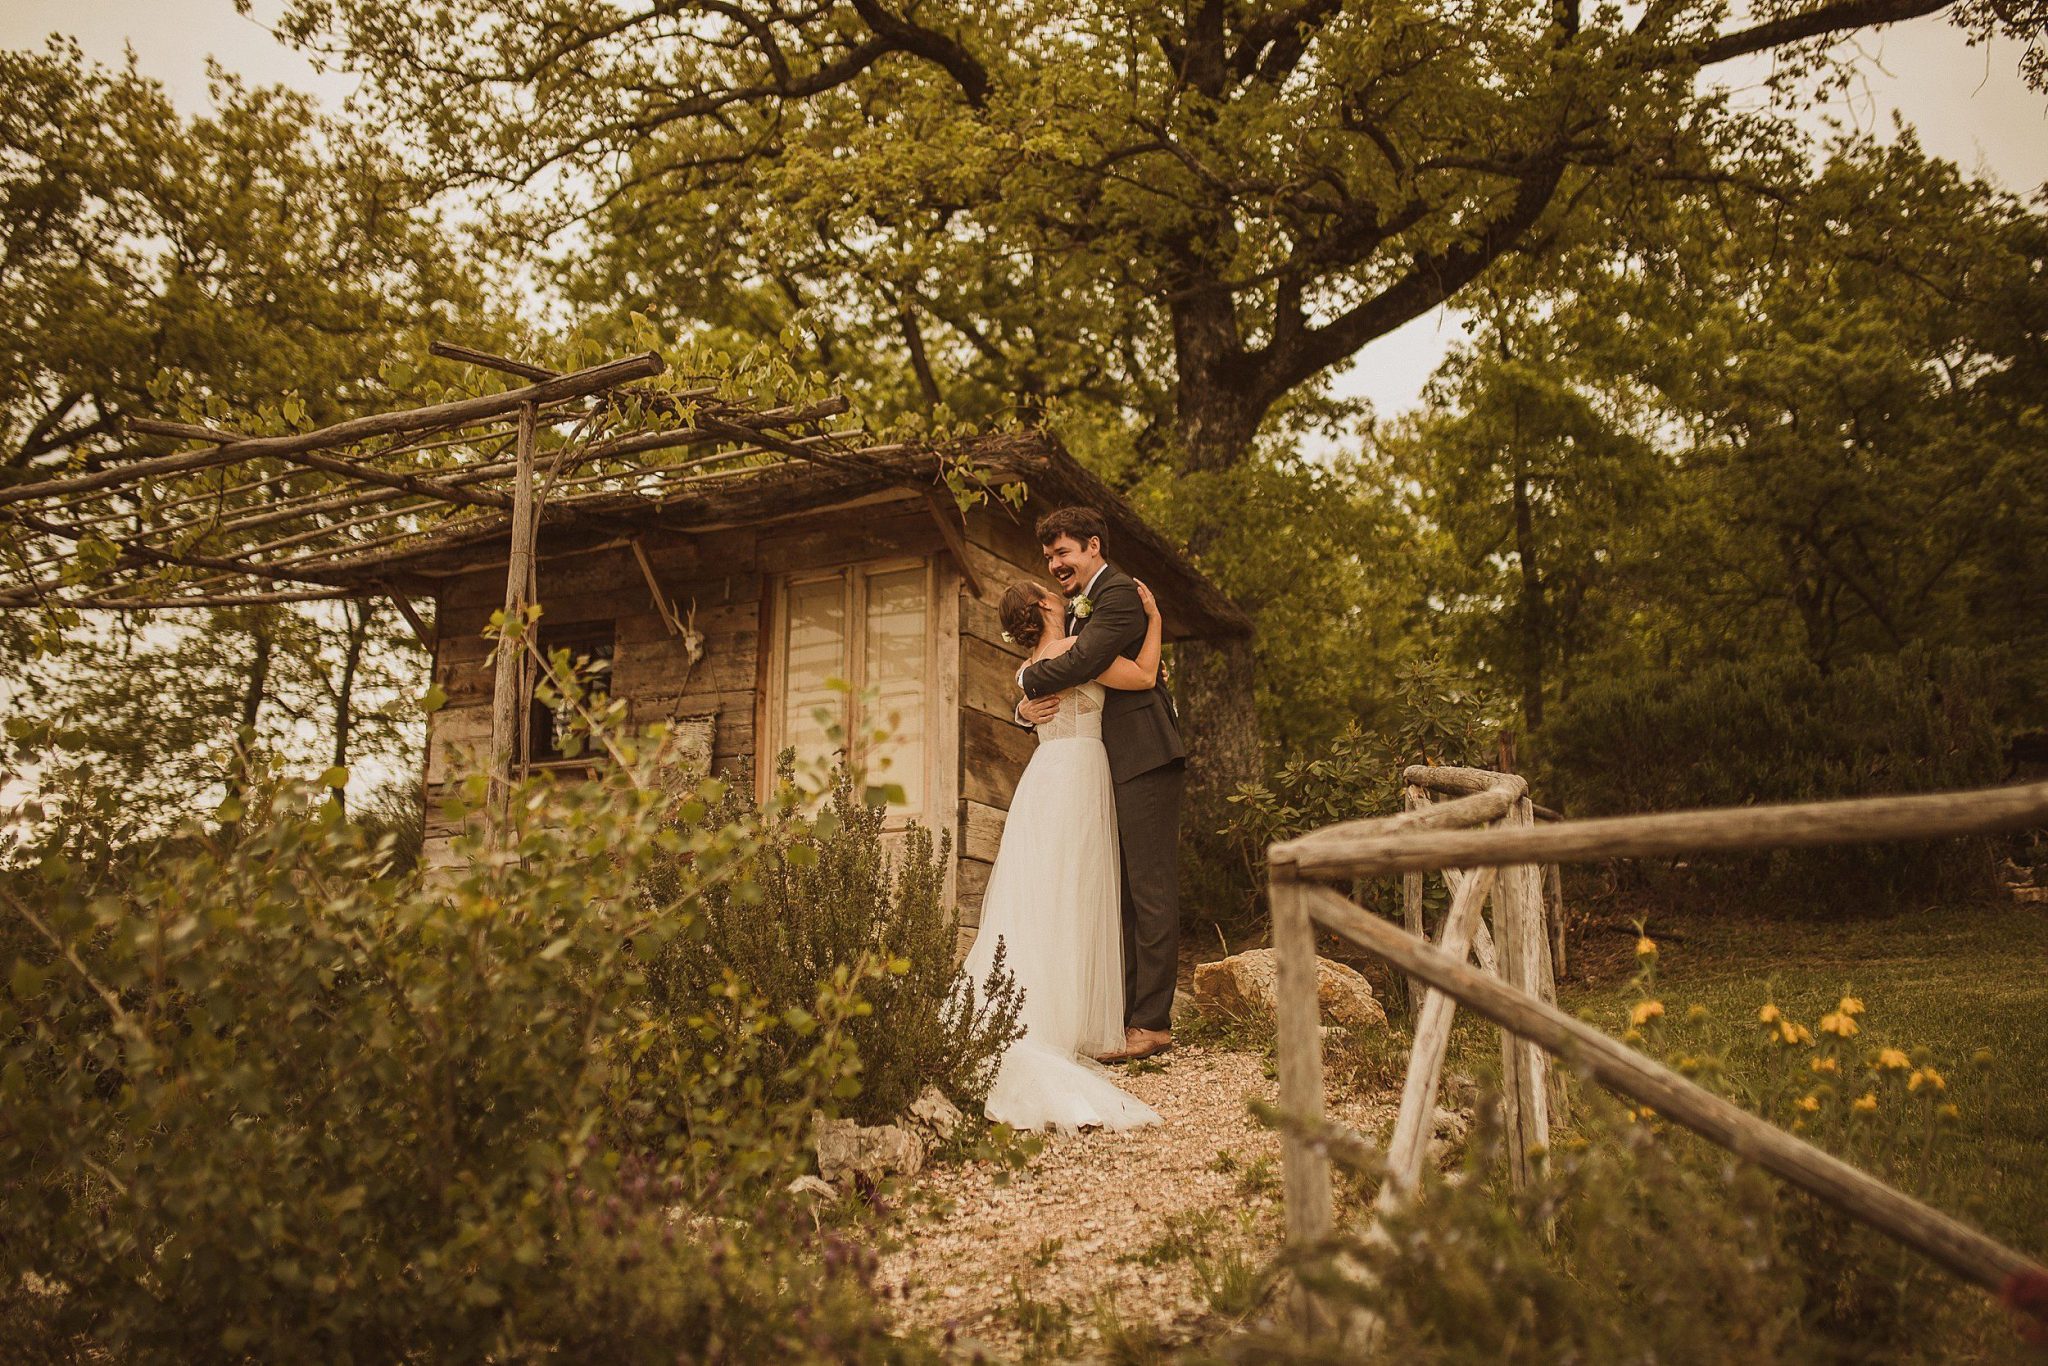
x=1054, y=896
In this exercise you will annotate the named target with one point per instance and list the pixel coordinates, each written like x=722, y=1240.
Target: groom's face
x=1071, y=563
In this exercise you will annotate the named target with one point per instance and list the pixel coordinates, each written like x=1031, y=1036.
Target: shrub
x=262, y=1099
x=1437, y=718
x=827, y=893
x=1779, y=730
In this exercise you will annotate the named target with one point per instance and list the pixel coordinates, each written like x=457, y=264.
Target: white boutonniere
x=1083, y=608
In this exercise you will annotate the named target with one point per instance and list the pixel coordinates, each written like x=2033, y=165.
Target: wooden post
x=507, y=702
x=1409, y=1148
x=1948, y=1242
x=1518, y=922
x=1553, y=886
x=1297, y=1015
x=1414, y=798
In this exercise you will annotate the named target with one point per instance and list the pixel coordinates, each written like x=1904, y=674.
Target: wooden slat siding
x=992, y=755
x=979, y=620
x=981, y=828
x=973, y=884
x=824, y=543
x=988, y=679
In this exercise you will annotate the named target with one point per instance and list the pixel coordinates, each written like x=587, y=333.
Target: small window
x=870, y=626
x=590, y=646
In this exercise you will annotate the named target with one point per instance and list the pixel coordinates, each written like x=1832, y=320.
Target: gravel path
x=1167, y=1224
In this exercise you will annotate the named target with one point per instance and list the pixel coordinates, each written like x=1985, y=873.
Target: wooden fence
x=1486, y=841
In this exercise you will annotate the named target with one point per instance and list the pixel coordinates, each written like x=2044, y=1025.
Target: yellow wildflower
x=1647, y=1112
x=1809, y=1102
x=1982, y=1057
x=1893, y=1059
x=1646, y=947
x=1631, y=1036
x=1824, y=1065
x=1928, y=1077
x=1949, y=1111
x=1790, y=1033
x=1695, y=1012
x=1645, y=1012
x=1850, y=1005
x=1838, y=1023
x=1865, y=1102
x=1769, y=1015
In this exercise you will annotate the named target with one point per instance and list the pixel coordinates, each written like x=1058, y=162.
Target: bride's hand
x=1151, y=604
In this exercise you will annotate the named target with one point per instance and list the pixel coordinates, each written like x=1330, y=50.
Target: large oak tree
x=1168, y=219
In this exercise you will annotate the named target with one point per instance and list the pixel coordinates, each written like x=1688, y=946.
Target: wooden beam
x=469, y=355
x=1408, y=1150
x=1372, y=848
x=1947, y=1241
x=455, y=413
x=951, y=530
x=506, y=702
x=412, y=619
x=661, y=602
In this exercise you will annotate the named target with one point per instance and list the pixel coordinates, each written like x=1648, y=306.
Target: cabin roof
x=393, y=504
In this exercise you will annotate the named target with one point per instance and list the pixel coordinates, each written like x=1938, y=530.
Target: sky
x=1968, y=104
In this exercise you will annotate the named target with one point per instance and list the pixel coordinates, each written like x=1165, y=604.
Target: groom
x=1146, y=760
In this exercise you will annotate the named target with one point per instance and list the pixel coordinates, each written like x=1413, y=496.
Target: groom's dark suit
x=1149, y=766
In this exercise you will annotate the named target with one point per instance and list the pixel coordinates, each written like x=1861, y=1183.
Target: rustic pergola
x=392, y=504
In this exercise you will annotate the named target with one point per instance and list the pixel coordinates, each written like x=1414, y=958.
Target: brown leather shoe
x=1146, y=1043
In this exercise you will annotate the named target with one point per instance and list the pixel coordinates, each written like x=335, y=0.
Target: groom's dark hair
x=1078, y=522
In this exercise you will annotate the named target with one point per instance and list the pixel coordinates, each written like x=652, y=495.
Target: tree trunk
x=345, y=688
x=257, y=682
x=1533, y=623
x=1214, y=678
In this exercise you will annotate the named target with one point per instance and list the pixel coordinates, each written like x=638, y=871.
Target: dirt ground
x=1164, y=1228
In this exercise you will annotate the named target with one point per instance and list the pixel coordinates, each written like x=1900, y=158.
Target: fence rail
x=1485, y=840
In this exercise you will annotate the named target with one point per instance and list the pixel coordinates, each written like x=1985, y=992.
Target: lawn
x=1953, y=979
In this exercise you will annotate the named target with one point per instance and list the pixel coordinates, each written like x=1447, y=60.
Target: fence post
x=1524, y=958
x=1304, y=1164
x=1413, y=798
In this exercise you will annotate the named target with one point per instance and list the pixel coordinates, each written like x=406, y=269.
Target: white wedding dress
x=1053, y=900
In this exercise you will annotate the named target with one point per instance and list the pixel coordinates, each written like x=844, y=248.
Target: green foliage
x=1435, y=716
x=265, y=1099
x=829, y=892
x=1779, y=731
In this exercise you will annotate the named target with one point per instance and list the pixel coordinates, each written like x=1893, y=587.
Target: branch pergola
x=392, y=504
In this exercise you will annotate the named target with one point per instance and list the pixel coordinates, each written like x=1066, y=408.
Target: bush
x=262, y=1099
x=1438, y=718
x=827, y=892
x=1779, y=730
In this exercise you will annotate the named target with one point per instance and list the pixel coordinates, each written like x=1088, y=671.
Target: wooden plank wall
x=993, y=750
x=723, y=572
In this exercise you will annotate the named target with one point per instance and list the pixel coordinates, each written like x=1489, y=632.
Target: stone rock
x=934, y=1116
x=810, y=1185
x=1244, y=983
x=846, y=1149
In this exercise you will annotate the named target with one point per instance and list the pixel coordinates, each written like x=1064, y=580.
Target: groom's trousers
x=1148, y=837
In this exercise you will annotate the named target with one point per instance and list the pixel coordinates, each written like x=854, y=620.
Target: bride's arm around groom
x=1115, y=626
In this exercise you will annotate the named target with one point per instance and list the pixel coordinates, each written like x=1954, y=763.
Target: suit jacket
x=1139, y=729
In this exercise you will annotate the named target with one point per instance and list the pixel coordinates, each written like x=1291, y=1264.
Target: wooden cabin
x=724, y=560
x=730, y=629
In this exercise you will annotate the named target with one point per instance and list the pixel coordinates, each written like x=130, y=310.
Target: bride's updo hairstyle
x=1019, y=612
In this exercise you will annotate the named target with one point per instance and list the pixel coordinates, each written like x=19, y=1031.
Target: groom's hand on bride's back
x=1036, y=711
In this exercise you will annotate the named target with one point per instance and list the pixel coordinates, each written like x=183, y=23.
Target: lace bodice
x=1080, y=714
